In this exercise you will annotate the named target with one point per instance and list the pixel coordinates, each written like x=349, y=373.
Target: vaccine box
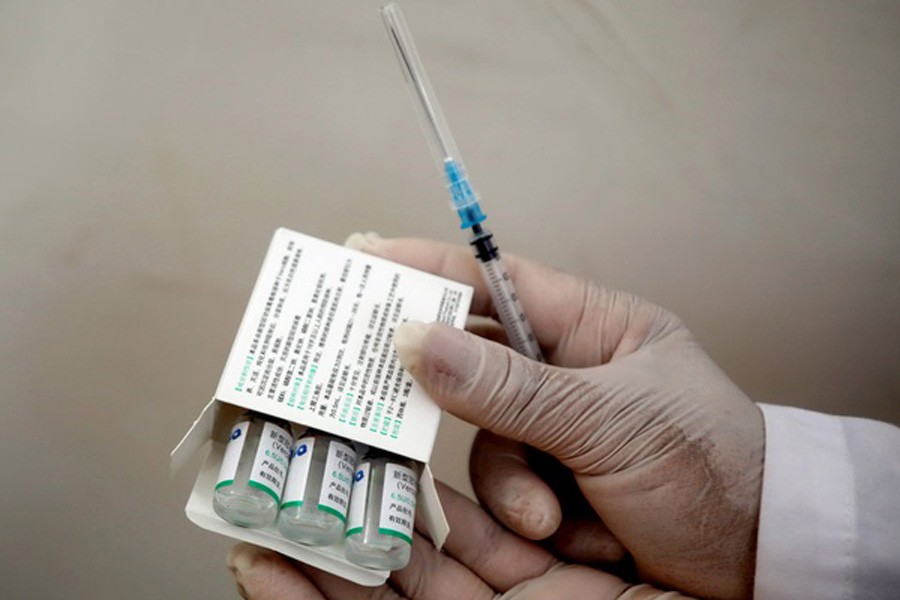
x=315, y=348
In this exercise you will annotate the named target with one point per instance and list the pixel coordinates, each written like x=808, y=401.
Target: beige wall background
x=736, y=162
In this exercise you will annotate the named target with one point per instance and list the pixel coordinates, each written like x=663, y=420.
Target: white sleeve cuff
x=828, y=515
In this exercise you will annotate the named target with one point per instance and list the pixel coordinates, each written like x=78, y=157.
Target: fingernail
x=409, y=340
x=362, y=241
x=238, y=560
x=240, y=563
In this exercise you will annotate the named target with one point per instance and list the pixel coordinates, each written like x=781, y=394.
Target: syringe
x=464, y=199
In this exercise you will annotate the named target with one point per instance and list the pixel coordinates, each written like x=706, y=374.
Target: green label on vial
x=398, y=502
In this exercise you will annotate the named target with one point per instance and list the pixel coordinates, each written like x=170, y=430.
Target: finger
x=581, y=537
x=509, y=488
x=576, y=322
x=447, y=260
x=568, y=314
x=262, y=574
x=570, y=581
x=532, y=503
x=489, y=385
x=502, y=559
x=577, y=581
x=587, y=541
x=433, y=575
x=430, y=574
x=336, y=588
x=648, y=592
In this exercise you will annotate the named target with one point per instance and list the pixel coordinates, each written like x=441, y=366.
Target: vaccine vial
x=251, y=478
x=317, y=492
x=382, y=511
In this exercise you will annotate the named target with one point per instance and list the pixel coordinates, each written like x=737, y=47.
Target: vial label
x=270, y=464
x=358, y=498
x=398, y=502
x=298, y=473
x=229, y=465
x=337, y=479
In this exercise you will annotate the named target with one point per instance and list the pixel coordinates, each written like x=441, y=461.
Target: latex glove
x=481, y=561
x=666, y=450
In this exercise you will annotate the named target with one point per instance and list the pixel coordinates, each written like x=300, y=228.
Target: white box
x=315, y=348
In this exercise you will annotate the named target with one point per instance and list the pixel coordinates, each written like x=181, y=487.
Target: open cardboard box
x=315, y=348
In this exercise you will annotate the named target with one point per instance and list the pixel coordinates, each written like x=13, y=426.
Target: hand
x=481, y=558
x=665, y=449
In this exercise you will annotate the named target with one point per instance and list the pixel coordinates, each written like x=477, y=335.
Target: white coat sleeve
x=829, y=523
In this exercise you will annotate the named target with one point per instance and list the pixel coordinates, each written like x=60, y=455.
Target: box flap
x=200, y=432
x=431, y=511
x=211, y=424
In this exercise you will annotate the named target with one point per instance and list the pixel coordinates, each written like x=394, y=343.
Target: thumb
x=493, y=387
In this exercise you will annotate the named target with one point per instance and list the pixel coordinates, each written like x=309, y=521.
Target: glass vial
x=317, y=492
x=251, y=478
x=382, y=511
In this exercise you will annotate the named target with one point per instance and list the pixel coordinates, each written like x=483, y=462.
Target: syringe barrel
x=509, y=308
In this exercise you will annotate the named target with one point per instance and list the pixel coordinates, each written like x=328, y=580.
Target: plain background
x=735, y=162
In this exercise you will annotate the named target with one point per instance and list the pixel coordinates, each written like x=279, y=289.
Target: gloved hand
x=481, y=561
x=664, y=452
x=664, y=448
